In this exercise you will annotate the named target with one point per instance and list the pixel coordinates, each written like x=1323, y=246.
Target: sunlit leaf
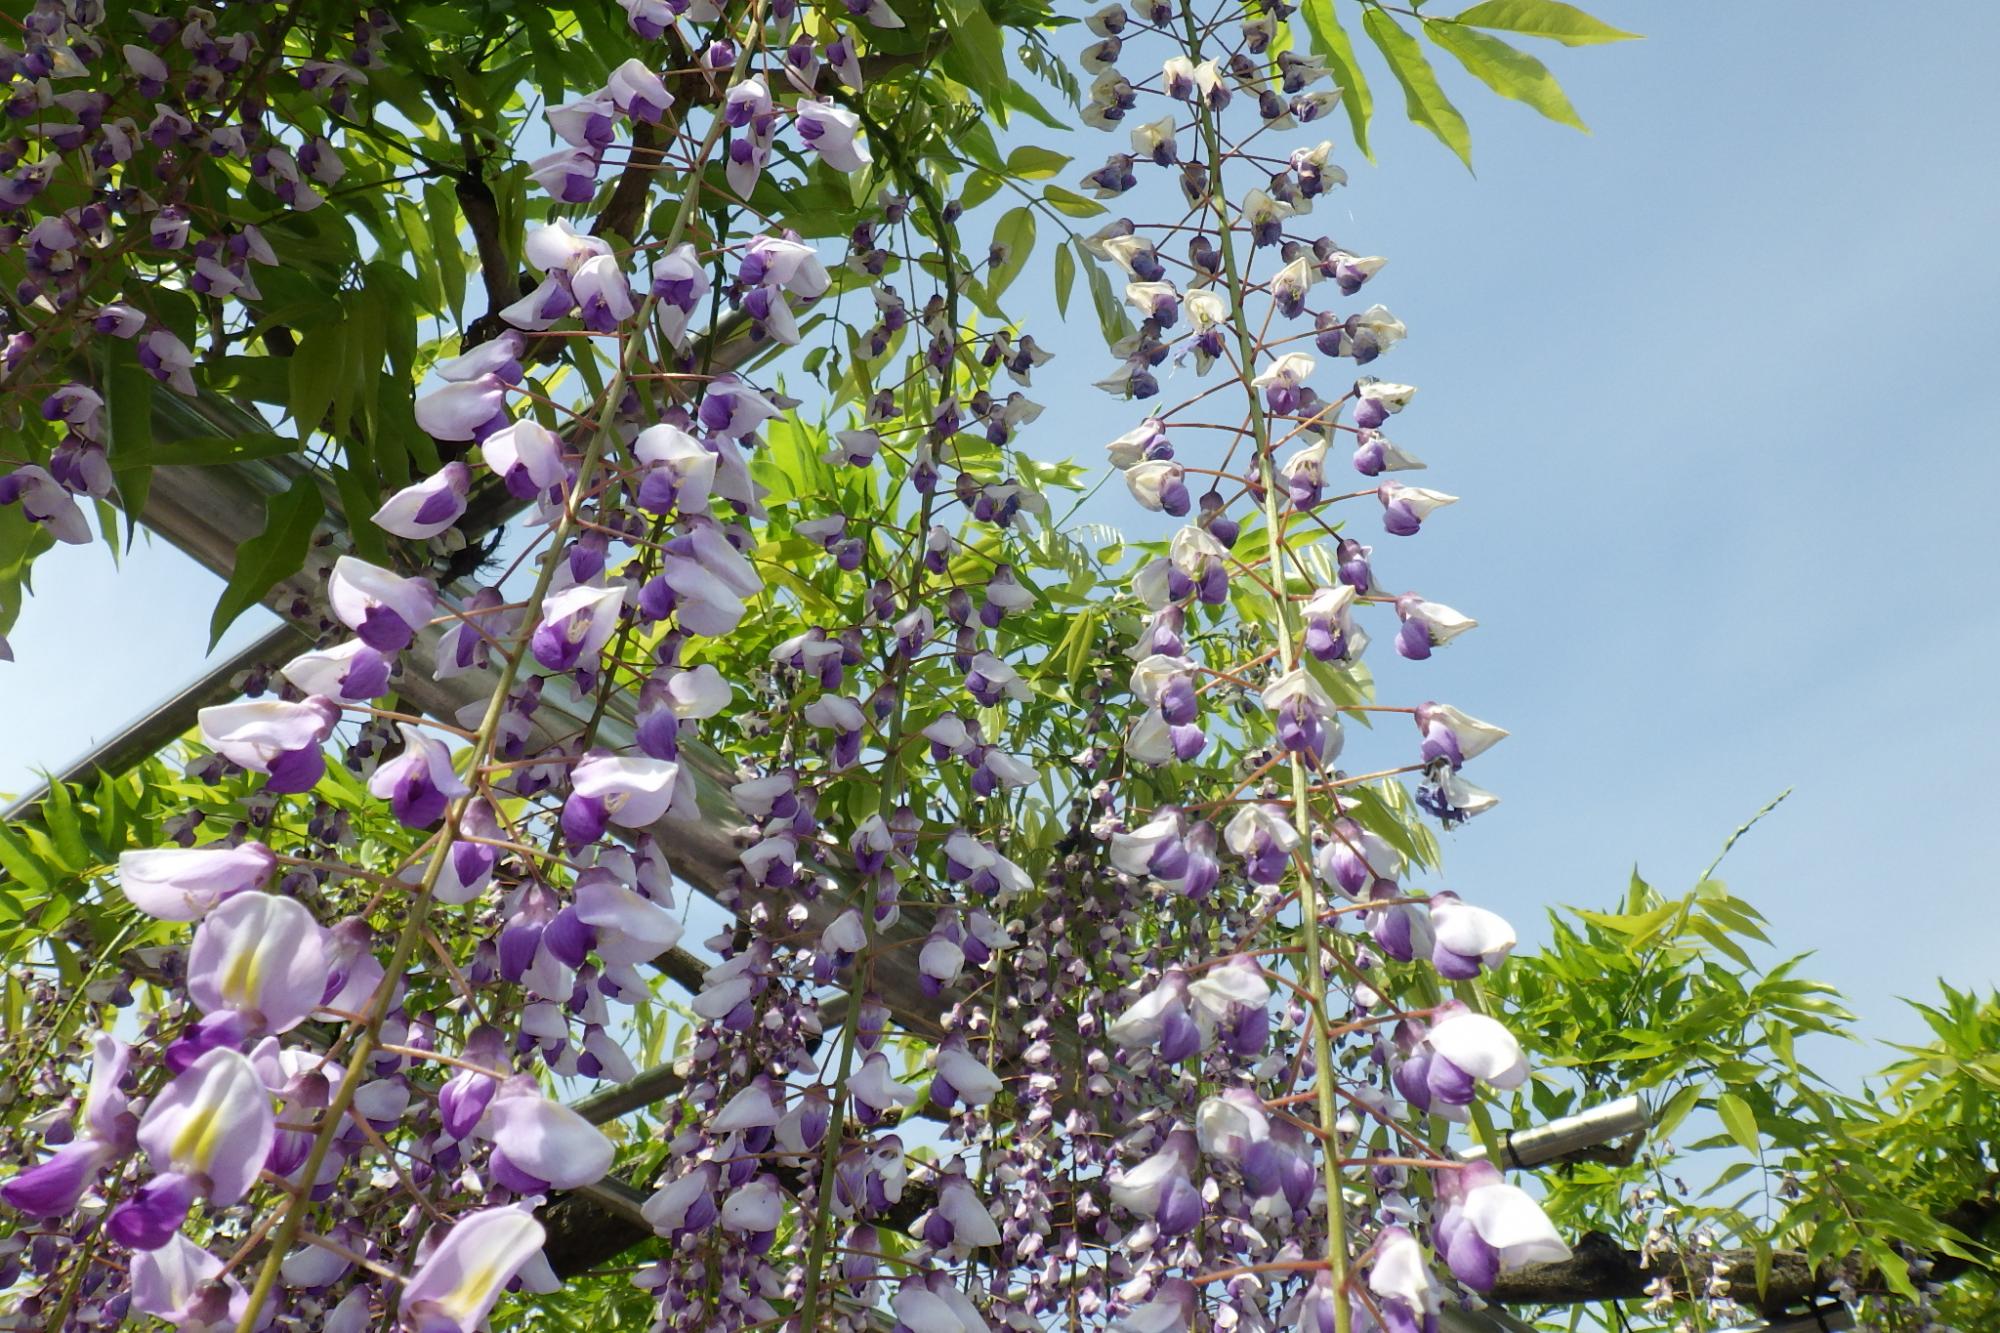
x=1331, y=43
x=1423, y=99
x=1511, y=73
x=1544, y=18
x=1740, y=1121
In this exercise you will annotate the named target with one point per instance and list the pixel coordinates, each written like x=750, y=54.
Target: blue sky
x=1708, y=380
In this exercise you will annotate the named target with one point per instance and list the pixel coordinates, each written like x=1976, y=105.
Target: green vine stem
x=1301, y=802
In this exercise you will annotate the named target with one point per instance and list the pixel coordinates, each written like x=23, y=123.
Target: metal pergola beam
x=168, y=720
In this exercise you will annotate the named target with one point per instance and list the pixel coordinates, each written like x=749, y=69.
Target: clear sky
x=1709, y=383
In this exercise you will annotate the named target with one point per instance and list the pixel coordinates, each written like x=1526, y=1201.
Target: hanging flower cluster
x=1067, y=975
x=1289, y=1172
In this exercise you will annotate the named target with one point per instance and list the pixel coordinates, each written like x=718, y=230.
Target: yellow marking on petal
x=470, y=1294
x=243, y=976
x=195, y=1146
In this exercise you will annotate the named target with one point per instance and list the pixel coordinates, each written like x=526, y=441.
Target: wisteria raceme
x=1060, y=947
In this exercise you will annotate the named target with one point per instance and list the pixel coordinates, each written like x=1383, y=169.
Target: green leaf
x=1076, y=646
x=548, y=61
x=976, y=142
x=1740, y=1121
x=1720, y=938
x=128, y=419
x=1111, y=317
x=315, y=376
x=206, y=451
x=1744, y=828
x=358, y=499
x=65, y=828
x=1544, y=18
x=1069, y=203
x=441, y=213
x=1668, y=1118
x=20, y=861
x=1065, y=278
x=276, y=553
x=980, y=185
x=1019, y=98
x=1511, y=73
x=430, y=291
x=1423, y=100
x=976, y=55
x=1015, y=234
x=1331, y=43
x=1032, y=163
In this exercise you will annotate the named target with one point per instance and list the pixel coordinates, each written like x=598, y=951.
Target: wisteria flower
x=1377, y=400
x=1467, y=939
x=258, y=965
x=1490, y=1227
x=499, y=357
x=420, y=782
x=270, y=736
x=1160, y=1188
x=629, y=791
x=576, y=624
x=385, y=609
x=183, y=884
x=1404, y=508
x=207, y=1134
x=539, y=1144
x=680, y=284
x=428, y=507
x=454, y=1289
x=681, y=470
x=183, y=1284
x=527, y=456
x=833, y=132
x=43, y=500
x=351, y=673
x=464, y=410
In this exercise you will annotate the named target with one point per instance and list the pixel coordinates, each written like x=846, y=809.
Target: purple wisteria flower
x=527, y=456
x=576, y=624
x=351, y=673
x=207, y=1135
x=428, y=507
x=184, y=1285
x=182, y=884
x=46, y=501
x=420, y=782
x=1161, y=1188
x=385, y=609
x=457, y=1285
x=464, y=410
x=833, y=132
x=1489, y=1227
x=258, y=965
x=629, y=791
x=270, y=736
x=52, y=1188
x=540, y=1145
